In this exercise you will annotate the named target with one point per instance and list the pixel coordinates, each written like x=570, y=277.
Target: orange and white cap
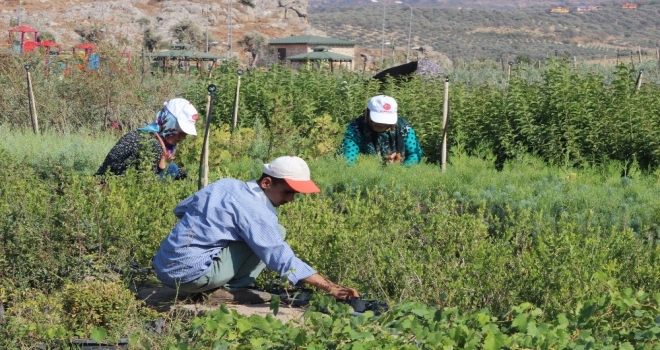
x=294, y=171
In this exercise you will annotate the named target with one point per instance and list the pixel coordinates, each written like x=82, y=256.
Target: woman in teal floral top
x=381, y=132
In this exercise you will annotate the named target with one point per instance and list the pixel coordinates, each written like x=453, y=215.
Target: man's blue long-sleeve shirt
x=224, y=211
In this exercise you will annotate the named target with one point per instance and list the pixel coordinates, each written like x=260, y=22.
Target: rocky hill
x=124, y=21
x=491, y=4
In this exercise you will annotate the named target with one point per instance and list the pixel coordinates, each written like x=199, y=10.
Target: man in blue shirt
x=229, y=231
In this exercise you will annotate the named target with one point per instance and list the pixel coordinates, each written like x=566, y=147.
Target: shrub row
x=413, y=238
x=566, y=115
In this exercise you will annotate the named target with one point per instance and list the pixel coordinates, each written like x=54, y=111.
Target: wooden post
x=445, y=115
x=33, y=108
x=574, y=61
x=617, y=57
x=238, y=90
x=142, y=67
x=502, y=61
x=203, y=179
x=639, y=53
x=638, y=84
x=510, y=66
x=632, y=60
x=212, y=66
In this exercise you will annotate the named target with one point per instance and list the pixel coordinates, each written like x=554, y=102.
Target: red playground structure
x=23, y=45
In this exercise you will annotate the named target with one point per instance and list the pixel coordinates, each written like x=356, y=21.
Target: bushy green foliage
x=566, y=115
x=617, y=320
x=80, y=151
x=92, y=304
x=417, y=233
x=32, y=315
x=499, y=228
x=116, y=93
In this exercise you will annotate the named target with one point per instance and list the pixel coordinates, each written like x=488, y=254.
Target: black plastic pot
x=89, y=344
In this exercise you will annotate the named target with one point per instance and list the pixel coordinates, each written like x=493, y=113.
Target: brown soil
x=165, y=299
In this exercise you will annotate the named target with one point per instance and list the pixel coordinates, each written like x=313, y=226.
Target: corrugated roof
x=183, y=55
x=320, y=56
x=311, y=40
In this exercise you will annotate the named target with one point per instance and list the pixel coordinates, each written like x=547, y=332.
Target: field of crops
x=542, y=233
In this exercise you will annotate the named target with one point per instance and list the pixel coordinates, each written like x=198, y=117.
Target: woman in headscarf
x=154, y=145
x=379, y=131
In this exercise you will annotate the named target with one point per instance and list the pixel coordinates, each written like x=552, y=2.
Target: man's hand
x=344, y=293
x=337, y=291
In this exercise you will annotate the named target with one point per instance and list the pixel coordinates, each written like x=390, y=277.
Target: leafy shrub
x=32, y=316
x=90, y=304
x=618, y=319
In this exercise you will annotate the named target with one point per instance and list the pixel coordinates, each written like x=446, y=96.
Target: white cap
x=185, y=113
x=382, y=109
x=294, y=171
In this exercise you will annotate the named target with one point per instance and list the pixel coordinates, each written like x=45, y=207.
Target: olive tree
x=254, y=43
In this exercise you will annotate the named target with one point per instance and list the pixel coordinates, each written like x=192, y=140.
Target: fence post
x=445, y=117
x=203, y=179
x=238, y=90
x=617, y=57
x=638, y=84
x=502, y=61
x=32, y=107
x=632, y=60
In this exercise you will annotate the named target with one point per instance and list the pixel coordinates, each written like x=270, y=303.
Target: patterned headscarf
x=165, y=125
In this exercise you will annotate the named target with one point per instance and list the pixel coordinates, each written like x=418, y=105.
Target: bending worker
x=379, y=131
x=154, y=144
x=229, y=231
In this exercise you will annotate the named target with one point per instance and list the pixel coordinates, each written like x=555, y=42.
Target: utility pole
x=20, y=9
x=207, y=26
x=229, y=53
x=382, y=42
x=409, y=28
x=382, y=45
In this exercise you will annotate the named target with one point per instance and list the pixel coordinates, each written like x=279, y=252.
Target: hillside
x=459, y=29
x=489, y=4
x=123, y=22
x=474, y=33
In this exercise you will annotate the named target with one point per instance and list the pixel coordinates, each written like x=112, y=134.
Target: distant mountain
x=492, y=4
x=605, y=31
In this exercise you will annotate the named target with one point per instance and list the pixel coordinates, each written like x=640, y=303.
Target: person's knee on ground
x=251, y=268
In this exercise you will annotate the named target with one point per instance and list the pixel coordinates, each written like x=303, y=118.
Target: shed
x=296, y=45
x=182, y=54
x=322, y=53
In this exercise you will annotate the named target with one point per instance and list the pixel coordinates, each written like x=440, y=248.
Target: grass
x=80, y=151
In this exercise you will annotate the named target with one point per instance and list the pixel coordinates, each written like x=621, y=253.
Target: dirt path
x=165, y=299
